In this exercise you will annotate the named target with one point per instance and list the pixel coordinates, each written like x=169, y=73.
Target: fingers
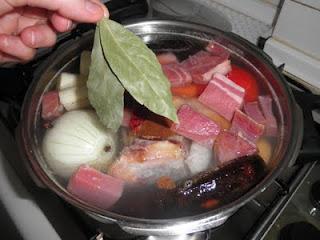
x=5, y=58
x=60, y=23
x=13, y=46
x=76, y=10
x=38, y=36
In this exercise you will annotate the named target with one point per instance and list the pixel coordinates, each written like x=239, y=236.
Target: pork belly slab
x=271, y=122
x=177, y=75
x=203, y=65
x=252, y=109
x=95, y=187
x=229, y=146
x=223, y=96
x=195, y=126
x=145, y=161
x=51, y=106
x=246, y=127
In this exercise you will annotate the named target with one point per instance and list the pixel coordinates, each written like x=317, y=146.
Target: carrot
x=210, y=203
x=165, y=183
x=190, y=90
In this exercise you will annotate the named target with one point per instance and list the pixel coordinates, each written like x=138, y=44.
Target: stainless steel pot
x=182, y=38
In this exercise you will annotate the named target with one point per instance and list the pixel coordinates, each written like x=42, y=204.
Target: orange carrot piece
x=210, y=203
x=190, y=90
x=165, y=183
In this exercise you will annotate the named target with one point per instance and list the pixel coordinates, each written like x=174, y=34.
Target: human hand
x=26, y=25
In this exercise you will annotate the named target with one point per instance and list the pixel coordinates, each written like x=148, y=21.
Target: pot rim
x=228, y=209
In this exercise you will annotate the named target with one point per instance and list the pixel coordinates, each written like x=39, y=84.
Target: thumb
x=76, y=10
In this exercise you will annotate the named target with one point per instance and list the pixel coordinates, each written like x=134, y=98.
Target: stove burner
x=300, y=230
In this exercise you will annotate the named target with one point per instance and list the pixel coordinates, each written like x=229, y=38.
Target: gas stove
x=289, y=204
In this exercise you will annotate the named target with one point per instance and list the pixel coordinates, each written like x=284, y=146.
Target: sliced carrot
x=210, y=203
x=190, y=90
x=165, y=183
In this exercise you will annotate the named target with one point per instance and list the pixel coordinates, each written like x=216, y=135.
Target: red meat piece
x=246, y=127
x=51, y=106
x=229, y=146
x=271, y=122
x=223, y=96
x=196, y=126
x=94, y=187
x=253, y=110
x=177, y=75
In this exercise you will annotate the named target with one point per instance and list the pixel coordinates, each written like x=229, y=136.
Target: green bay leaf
x=137, y=68
x=105, y=92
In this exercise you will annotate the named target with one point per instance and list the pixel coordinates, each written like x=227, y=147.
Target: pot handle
x=310, y=150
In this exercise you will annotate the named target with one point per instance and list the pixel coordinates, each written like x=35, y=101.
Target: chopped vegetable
x=76, y=138
x=265, y=149
x=246, y=80
x=189, y=91
x=165, y=183
x=210, y=203
x=67, y=80
x=73, y=98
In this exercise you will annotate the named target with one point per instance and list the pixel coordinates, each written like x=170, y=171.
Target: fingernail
x=92, y=7
x=69, y=24
x=5, y=41
x=33, y=38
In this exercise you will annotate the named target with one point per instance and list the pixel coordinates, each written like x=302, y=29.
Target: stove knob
x=298, y=231
x=315, y=195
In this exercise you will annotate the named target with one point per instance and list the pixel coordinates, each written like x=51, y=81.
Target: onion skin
x=77, y=138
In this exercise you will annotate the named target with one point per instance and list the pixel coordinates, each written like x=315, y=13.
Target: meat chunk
x=51, y=106
x=196, y=126
x=177, y=75
x=252, y=109
x=271, y=122
x=167, y=58
x=229, y=146
x=146, y=161
x=246, y=127
x=203, y=65
x=202, y=109
x=223, y=96
x=95, y=187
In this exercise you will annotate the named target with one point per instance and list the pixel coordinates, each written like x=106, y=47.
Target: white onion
x=199, y=158
x=76, y=138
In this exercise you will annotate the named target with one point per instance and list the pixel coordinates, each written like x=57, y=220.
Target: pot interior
x=182, y=39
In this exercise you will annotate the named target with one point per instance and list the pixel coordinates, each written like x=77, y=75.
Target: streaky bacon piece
x=167, y=58
x=202, y=109
x=229, y=146
x=271, y=122
x=95, y=187
x=177, y=75
x=246, y=127
x=196, y=126
x=51, y=106
x=253, y=110
x=203, y=65
x=145, y=161
x=223, y=96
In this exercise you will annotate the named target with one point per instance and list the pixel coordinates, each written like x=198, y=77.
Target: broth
x=150, y=140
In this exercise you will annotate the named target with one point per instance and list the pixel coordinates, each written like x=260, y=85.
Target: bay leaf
x=137, y=68
x=105, y=92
